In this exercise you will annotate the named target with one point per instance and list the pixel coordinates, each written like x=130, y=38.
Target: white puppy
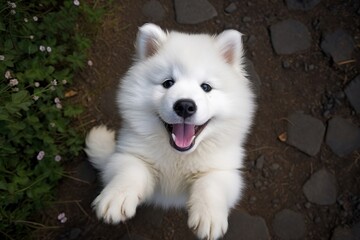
x=187, y=107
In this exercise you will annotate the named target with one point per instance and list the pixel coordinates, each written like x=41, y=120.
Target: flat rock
x=231, y=8
x=342, y=136
x=193, y=12
x=289, y=225
x=341, y=233
x=244, y=226
x=153, y=10
x=352, y=92
x=305, y=133
x=321, y=188
x=303, y=5
x=290, y=36
x=338, y=45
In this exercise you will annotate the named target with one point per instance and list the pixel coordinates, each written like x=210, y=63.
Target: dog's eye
x=168, y=83
x=206, y=87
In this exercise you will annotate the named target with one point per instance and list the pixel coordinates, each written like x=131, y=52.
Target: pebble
x=289, y=225
x=305, y=133
x=153, y=10
x=352, y=92
x=303, y=5
x=193, y=12
x=246, y=19
x=290, y=36
x=321, y=188
x=244, y=226
x=275, y=166
x=338, y=45
x=231, y=8
x=286, y=64
x=342, y=136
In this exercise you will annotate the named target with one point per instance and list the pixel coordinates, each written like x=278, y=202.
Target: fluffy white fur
x=144, y=167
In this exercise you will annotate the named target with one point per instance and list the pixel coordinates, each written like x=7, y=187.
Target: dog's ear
x=149, y=39
x=231, y=47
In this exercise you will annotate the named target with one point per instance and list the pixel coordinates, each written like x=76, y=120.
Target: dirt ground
x=281, y=91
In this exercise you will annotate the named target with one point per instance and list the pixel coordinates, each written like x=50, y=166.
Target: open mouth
x=182, y=135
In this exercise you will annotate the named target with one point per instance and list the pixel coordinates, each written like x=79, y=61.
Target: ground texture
x=303, y=162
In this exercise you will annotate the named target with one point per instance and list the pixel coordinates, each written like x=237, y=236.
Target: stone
x=231, y=8
x=338, y=45
x=321, y=188
x=193, y=12
x=289, y=225
x=341, y=233
x=290, y=36
x=244, y=226
x=153, y=10
x=303, y=5
x=342, y=136
x=352, y=92
x=305, y=132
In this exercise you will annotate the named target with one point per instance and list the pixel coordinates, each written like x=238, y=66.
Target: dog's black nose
x=185, y=107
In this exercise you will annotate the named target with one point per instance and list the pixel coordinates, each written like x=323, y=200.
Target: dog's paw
x=114, y=205
x=208, y=223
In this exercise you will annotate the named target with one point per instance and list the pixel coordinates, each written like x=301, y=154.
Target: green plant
x=41, y=46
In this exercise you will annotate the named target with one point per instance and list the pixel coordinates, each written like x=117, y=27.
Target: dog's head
x=183, y=84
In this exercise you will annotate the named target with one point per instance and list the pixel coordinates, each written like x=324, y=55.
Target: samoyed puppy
x=187, y=107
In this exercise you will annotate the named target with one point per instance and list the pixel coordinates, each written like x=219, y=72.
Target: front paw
x=208, y=223
x=114, y=205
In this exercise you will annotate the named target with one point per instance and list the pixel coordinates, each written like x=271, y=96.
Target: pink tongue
x=183, y=134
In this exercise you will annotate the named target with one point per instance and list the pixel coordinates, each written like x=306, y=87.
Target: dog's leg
x=129, y=182
x=211, y=198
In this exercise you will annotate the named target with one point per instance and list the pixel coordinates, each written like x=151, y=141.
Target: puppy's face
x=189, y=81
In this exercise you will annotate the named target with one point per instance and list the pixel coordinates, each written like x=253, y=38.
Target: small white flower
x=26, y=20
x=31, y=37
x=48, y=49
x=40, y=155
x=37, y=84
x=90, y=63
x=64, y=81
x=13, y=82
x=12, y=12
x=11, y=4
x=54, y=82
x=57, y=100
x=57, y=158
x=15, y=89
x=42, y=48
x=35, y=18
x=52, y=124
x=58, y=106
x=35, y=98
x=76, y=2
x=7, y=74
x=2, y=57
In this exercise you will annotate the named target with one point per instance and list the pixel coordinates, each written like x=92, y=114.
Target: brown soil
x=282, y=91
